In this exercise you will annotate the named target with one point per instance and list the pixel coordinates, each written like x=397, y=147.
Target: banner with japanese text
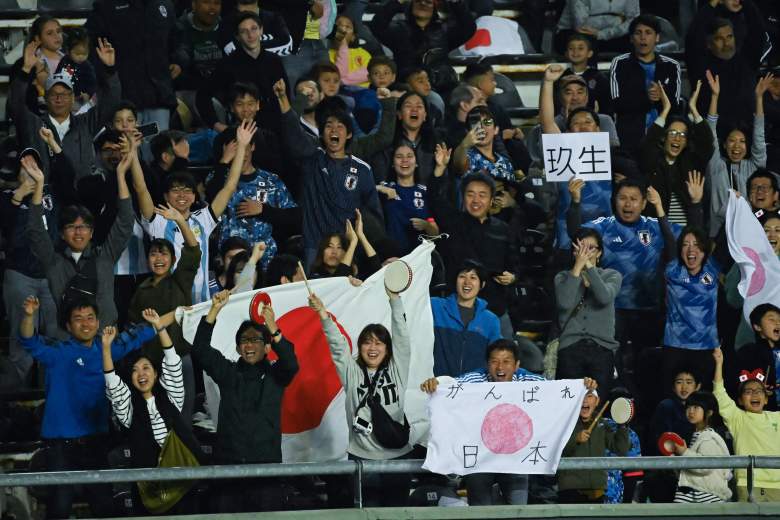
x=515, y=427
x=584, y=155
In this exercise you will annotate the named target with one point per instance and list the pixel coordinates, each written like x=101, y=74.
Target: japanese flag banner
x=515, y=427
x=758, y=264
x=584, y=155
x=314, y=424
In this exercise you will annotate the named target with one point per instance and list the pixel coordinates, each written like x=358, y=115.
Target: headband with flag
x=755, y=375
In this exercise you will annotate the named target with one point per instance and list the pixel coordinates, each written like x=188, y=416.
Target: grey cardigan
x=596, y=319
x=60, y=267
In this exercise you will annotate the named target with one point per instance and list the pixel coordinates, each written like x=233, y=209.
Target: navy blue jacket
x=458, y=349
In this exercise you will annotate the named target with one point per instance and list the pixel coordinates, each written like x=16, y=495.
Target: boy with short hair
x=755, y=430
x=579, y=51
x=382, y=72
x=669, y=415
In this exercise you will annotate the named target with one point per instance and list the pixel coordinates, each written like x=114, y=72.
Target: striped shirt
x=482, y=376
x=677, y=214
x=133, y=258
x=202, y=222
x=171, y=380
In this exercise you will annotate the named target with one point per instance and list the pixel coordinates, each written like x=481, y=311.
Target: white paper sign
x=515, y=427
x=582, y=154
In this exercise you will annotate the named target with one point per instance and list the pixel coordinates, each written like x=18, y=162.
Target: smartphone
x=474, y=120
x=149, y=129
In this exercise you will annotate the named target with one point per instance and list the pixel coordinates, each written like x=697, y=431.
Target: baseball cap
x=61, y=78
x=572, y=78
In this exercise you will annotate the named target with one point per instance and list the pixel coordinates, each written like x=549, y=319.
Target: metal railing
x=358, y=468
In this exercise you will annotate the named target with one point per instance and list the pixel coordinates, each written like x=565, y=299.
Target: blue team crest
x=163, y=11
x=707, y=279
x=644, y=237
x=350, y=182
x=419, y=203
x=262, y=196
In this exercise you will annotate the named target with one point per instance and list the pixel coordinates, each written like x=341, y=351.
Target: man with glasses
x=73, y=133
x=763, y=193
x=81, y=269
x=250, y=408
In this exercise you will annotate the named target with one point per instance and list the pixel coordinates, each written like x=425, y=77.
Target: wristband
x=277, y=333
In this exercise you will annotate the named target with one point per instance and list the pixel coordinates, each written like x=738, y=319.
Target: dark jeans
x=479, y=486
x=586, y=358
x=637, y=331
x=673, y=359
x=84, y=453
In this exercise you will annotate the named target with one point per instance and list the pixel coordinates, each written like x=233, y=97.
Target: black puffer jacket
x=413, y=46
x=141, y=31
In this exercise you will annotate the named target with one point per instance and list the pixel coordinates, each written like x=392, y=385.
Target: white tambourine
x=622, y=410
x=398, y=276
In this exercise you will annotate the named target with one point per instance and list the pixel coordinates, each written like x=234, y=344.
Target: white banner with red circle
x=515, y=427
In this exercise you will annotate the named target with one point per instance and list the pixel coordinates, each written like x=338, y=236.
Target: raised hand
x=108, y=336
x=590, y=383
x=350, y=232
x=152, y=318
x=30, y=165
x=666, y=105
x=30, y=305
x=717, y=355
x=219, y=300
x=106, y=52
x=713, y=80
x=30, y=55
x=245, y=132
x=763, y=83
x=48, y=137
x=653, y=197
x=168, y=212
x=694, y=99
x=280, y=89
x=553, y=72
x=270, y=317
x=575, y=189
x=442, y=155
x=229, y=151
x=316, y=304
x=695, y=184
x=258, y=250
x=358, y=223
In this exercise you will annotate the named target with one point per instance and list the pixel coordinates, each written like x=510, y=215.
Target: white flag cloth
x=516, y=427
x=314, y=424
x=752, y=252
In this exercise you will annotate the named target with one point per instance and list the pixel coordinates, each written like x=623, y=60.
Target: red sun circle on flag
x=316, y=384
x=506, y=429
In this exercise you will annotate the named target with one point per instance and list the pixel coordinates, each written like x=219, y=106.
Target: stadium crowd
x=173, y=153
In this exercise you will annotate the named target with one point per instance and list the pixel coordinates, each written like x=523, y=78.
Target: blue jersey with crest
x=262, y=186
x=411, y=202
x=501, y=170
x=691, y=306
x=634, y=250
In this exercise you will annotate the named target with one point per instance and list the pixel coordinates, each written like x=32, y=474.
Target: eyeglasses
x=250, y=341
x=760, y=189
x=183, y=191
x=487, y=122
x=59, y=95
x=753, y=391
x=77, y=227
x=677, y=133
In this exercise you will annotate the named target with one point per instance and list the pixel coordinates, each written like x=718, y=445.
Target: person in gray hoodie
x=731, y=167
x=382, y=370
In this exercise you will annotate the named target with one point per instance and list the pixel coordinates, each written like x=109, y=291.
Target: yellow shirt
x=352, y=64
x=312, y=31
x=754, y=434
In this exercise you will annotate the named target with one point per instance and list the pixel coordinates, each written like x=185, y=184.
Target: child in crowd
x=703, y=485
x=590, y=440
x=579, y=52
x=351, y=60
x=418, y=81
x=76, y=63
x=362, y=104
x=765, y=352
x=755, y=431
x=382, y=72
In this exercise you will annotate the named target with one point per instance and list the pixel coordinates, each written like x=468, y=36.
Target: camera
x=361, y=425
